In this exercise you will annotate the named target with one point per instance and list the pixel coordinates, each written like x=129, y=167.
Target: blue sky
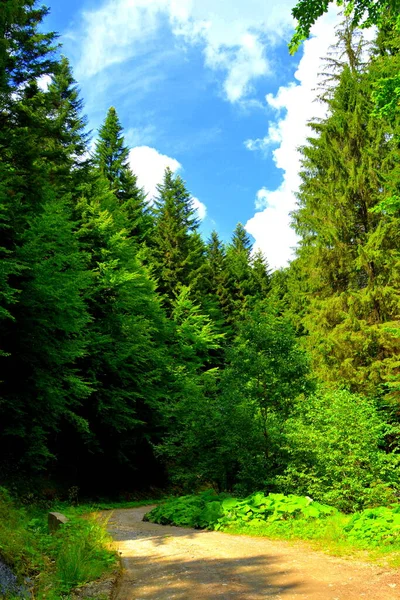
x=208, y=88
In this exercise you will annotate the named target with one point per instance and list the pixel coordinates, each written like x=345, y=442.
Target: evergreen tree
x=238, y=259
x=348, y=252
x=178, y=255
x=261, y=275
x=125, y=357
x=112, y=158
x=217, y=277
x=66, y=139
x=42, y=267
x=190, y=445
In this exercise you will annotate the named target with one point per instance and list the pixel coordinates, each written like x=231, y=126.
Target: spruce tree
x=238, y=260
x=178, y=255
x=217, y=277
x=261, y=275
x=349, y=252
x=112, y=158
x=66, y=141
x=42, y=267
x=125, y=359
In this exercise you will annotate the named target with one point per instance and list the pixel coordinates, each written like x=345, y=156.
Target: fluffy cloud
x=149, y=165
x=200, y=208
x=234, y=36
x=295, y=106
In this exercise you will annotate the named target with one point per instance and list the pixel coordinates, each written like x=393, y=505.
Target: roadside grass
x=52, y=565
x=327, y=537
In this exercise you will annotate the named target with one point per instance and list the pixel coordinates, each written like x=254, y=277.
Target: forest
x=133, y=348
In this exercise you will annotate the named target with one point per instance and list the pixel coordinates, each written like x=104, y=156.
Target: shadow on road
x=176, y=564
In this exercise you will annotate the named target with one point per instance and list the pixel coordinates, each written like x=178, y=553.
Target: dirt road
x=163, y=563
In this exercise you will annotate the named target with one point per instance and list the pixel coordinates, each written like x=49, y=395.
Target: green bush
x=201, y=511
x=258, y=508
x=288, y=517
x=334, y=443
x=375, y=526
x=211, y=511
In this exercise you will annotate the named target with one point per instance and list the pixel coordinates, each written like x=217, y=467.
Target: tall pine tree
x=348, y=251
x=178, y=255
x=112, y=158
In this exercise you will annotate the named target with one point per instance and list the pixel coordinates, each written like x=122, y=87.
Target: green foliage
x=112, y=159
x=375, y=526
x=53, y=564
x=220, y=512
x=363, y=13
x=201, y=511
x=286, y=517
x=178, y=251
x=348, y=255
x=335, y=444
x=81, y=551
x=265, y=373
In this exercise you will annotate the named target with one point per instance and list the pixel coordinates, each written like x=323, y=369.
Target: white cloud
x=242, y=65
x=234, y=35
x=295, y=106
x=200, y=208
x=149, y=165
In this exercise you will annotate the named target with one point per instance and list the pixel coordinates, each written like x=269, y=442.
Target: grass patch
x=372, y=534
x=52, y=565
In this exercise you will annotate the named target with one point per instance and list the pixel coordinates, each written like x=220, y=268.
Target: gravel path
x=166, y=563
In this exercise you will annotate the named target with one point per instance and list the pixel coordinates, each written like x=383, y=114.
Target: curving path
x=166, y=563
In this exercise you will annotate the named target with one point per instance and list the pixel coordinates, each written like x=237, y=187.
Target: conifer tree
x=44, y=269
x=111, y=157
x=189, y=444
x=238, y=259
x=217, y=277
x=178, y=255
x=125, y=358
x=66, y=140
x=261, y=275
x=349, y=252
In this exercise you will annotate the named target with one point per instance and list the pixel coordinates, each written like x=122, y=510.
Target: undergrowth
x=373, y=533
x=52, y=565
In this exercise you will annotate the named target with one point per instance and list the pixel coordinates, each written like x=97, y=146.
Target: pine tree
x=178, y=255
x=217, y=278
x=125, y=359
x=66, y=141
x=42, y=267
x=348, y=252
x=112, y=158
x=261, y=275
x=238, y=259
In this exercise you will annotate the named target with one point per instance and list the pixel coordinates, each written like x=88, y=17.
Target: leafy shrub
x=200, y=511
x=334, y=443
x=375, y=526
x=210, y=511
x=258, y=508
x=287, y=517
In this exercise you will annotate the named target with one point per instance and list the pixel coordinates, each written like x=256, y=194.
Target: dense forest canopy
x=131, y=345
